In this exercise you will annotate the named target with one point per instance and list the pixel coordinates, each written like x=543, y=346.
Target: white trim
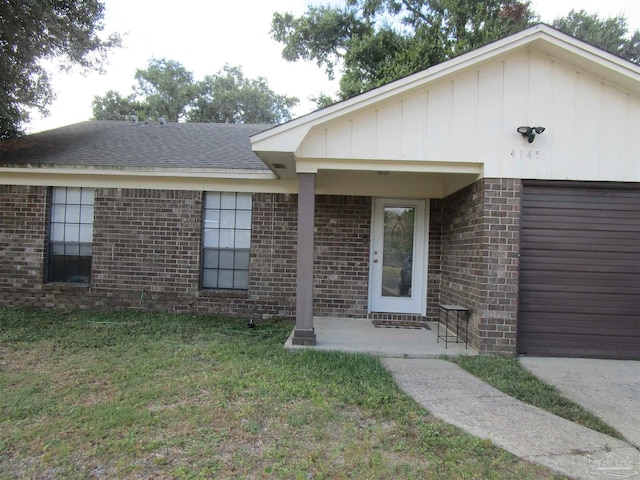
x=245, y=174
x=86, y=178
x=313, y=165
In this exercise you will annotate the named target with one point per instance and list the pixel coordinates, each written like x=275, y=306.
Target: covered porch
x=374, y=258
x=358, y=335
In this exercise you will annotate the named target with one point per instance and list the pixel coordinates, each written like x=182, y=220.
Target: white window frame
x=70, y=252
x=226, y=240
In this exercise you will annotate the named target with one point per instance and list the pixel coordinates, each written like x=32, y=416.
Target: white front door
x=398, y=262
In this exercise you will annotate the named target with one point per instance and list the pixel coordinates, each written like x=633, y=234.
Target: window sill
x=66, y=286
x=224, y=293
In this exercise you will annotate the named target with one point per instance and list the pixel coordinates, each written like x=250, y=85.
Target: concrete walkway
x=608, y=388
x=459, y=398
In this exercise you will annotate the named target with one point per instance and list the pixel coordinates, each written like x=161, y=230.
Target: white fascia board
x=291, y=134
x=194, y=182
x=591, y=52
x=307, y=165
x=285, y=139
x=245, y=174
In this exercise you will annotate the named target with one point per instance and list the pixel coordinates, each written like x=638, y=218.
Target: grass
x=137, y=395
x=509, y=376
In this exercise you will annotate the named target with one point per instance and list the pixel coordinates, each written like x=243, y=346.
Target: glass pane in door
x=397, y=259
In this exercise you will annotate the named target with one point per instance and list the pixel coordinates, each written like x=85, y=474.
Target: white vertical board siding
x=614, y=134
x=389, y=134
x=314, y=144
x=414, y=126
x=364, y=134
x=592, y=127
x=439, y=121
x=632, y=153
x=539, y=113
x=560, y=137
x=514, y=154
x=464, y=131
x=589, y=127
x=339, y=139
x=490, y=123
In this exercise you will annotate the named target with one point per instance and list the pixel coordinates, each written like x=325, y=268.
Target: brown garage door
x=580, y=270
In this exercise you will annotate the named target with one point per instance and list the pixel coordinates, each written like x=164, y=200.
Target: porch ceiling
x=391, y=184
x=377, y=177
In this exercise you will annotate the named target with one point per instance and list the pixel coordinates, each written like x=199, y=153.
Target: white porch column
x=304, y=333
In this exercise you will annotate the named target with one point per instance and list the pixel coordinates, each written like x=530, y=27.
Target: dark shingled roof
x=114, y=144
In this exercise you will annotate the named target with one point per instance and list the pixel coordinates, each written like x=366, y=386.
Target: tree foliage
x=610, y=34
x=32, y=31
x=113, y=106
x=378, y=41
x=229, y=97
x=166, y=89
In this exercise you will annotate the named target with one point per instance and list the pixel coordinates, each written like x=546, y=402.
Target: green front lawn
x=135, y=395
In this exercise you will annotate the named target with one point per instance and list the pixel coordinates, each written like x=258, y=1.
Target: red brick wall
x=23, y=212
x=341, y=253
x=272, y=272
x=480, y=247
x=146, y=254
x=342, y=246
x=434, y=266
x=147, y=239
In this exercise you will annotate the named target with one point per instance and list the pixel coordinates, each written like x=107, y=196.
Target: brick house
x=434, y=189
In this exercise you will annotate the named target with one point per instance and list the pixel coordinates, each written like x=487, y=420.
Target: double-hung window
x=226, y=240
x=71, y=235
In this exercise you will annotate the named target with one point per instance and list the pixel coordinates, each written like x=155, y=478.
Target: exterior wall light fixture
x=530, y=132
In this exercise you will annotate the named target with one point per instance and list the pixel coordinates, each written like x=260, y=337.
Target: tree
x=35, y=30
x=378, y=41
x=610, y=34
x=322, y=34
x=322, y=100
x=166, y=89
x=229, y=97
x=113, y=106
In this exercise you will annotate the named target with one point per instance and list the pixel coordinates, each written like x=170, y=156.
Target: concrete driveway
x=609, y=388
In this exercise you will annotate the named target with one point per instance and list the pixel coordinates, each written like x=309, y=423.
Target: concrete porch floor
x=361, y=336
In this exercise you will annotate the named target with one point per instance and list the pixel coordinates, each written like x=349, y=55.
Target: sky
x=204, y=35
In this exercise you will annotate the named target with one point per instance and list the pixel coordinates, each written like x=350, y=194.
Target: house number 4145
x=525, y=154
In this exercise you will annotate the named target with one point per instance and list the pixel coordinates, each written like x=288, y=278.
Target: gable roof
x=280, y=143
x=120, y=144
